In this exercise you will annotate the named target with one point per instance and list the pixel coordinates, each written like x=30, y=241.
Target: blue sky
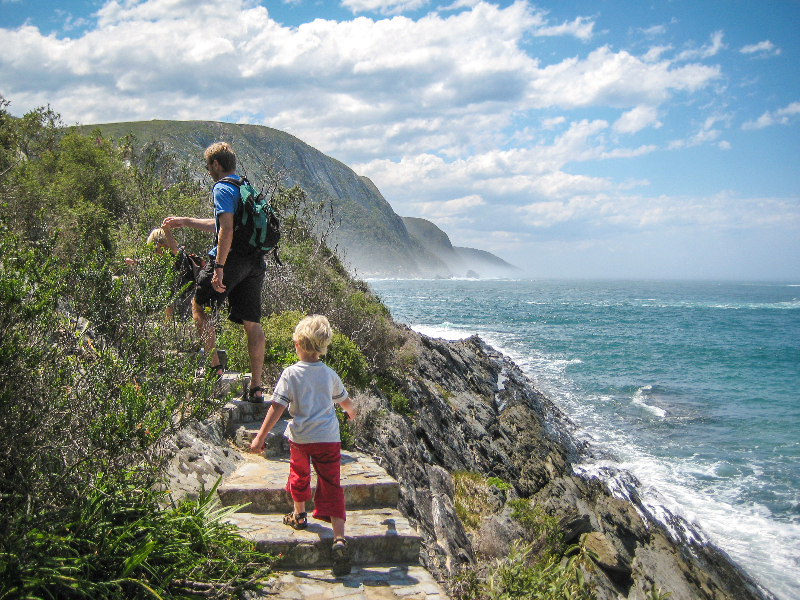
x=575, y=139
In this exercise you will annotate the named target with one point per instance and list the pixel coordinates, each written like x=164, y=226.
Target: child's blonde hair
x=313, y=334
x=157, y=237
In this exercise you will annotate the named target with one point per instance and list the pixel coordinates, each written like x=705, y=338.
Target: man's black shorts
x=243, y=278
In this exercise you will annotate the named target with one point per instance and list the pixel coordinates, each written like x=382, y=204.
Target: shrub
x=347, y=360
x=471, y=498
x=119, y=541
x=86, y=398
x=398, y=402
x=516, y=577
x=542, y=529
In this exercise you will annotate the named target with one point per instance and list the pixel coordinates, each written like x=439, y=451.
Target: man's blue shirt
x=226, y=200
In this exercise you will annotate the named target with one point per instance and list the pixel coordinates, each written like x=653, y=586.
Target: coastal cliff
x=471, y=409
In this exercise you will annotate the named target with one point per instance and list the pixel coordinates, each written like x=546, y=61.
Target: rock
x=473, y=409
x=608, y=557
x=199, y=455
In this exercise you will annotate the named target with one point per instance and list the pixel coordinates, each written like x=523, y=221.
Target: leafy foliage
x=92, y=382
x=118, y=541
x=471, y=498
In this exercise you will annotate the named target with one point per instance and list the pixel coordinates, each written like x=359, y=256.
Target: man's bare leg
x=255, y=348
x=205, y=329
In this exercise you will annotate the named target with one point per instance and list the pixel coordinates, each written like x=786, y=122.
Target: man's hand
x=173, y=223
x=216, y=281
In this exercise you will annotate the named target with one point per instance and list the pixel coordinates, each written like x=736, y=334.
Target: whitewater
x=692, y=387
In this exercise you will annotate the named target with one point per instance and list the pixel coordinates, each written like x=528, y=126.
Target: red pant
x=326, y=458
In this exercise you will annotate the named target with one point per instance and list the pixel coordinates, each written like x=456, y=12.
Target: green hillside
x=370, y=236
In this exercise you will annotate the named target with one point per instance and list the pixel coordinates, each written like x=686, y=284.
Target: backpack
x=255, y=225
x=188, y=266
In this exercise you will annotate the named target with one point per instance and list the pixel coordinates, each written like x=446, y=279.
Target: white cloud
x=384, y=7
x=654, y=30
x=637, y=119
x=663, y=213
x=582, y=28
x=449, y=208
x=553, y=122
x=616, y=79
x=765, y=48
x=706, y=51
x=355, y=89
x=782, y=116
x=654, y=53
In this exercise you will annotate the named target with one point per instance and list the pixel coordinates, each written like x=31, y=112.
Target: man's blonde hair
x=157, y=237
x=223, y=154
x=313, y=334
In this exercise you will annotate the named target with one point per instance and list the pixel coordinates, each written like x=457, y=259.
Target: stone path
x=384, y=547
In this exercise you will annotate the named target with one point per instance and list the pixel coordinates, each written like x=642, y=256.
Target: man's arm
x=178, y=222
x=224, y=239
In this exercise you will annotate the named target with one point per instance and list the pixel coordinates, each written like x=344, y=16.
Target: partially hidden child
x=310, y=389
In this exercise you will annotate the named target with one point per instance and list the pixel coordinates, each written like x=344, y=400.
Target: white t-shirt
x=310, y=390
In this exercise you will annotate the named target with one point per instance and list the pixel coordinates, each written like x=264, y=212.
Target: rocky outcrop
x=473, y=409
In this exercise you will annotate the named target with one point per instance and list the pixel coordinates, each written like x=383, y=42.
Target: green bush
x=498, y=483
x=86, y=399
x=346, y=359
x=118, y=541
x=278, y=331
x=471, y=498
x=398, y=402
x=542, y=529
x=516, y=577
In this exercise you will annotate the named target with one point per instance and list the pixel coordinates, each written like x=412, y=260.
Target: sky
x=575, y=139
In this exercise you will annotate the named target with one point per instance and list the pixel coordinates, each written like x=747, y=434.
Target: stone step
x=368, y=583
x=376, y=536
x=275, y=446
x=261, y=483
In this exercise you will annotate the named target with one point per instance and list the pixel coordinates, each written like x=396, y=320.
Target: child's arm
x=169, y=239
x=273, y=414
x=347, y=406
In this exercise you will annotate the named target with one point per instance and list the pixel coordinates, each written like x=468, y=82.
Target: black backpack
x=188, y=267
x=255, y=226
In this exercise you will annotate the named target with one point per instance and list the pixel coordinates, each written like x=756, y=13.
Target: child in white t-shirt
x=309, y=389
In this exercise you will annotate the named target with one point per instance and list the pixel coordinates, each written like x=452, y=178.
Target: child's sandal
x=296, y=520
x=341, y=557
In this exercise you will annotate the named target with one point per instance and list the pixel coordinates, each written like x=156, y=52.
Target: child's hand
x=256, y=447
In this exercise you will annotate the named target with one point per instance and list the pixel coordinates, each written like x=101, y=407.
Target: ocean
x=693, y=387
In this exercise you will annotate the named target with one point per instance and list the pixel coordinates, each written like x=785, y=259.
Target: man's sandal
x=341, y=557
x=296, y=520
x=251, y=397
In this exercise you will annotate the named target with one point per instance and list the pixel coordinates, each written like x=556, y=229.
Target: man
x=235, y=272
